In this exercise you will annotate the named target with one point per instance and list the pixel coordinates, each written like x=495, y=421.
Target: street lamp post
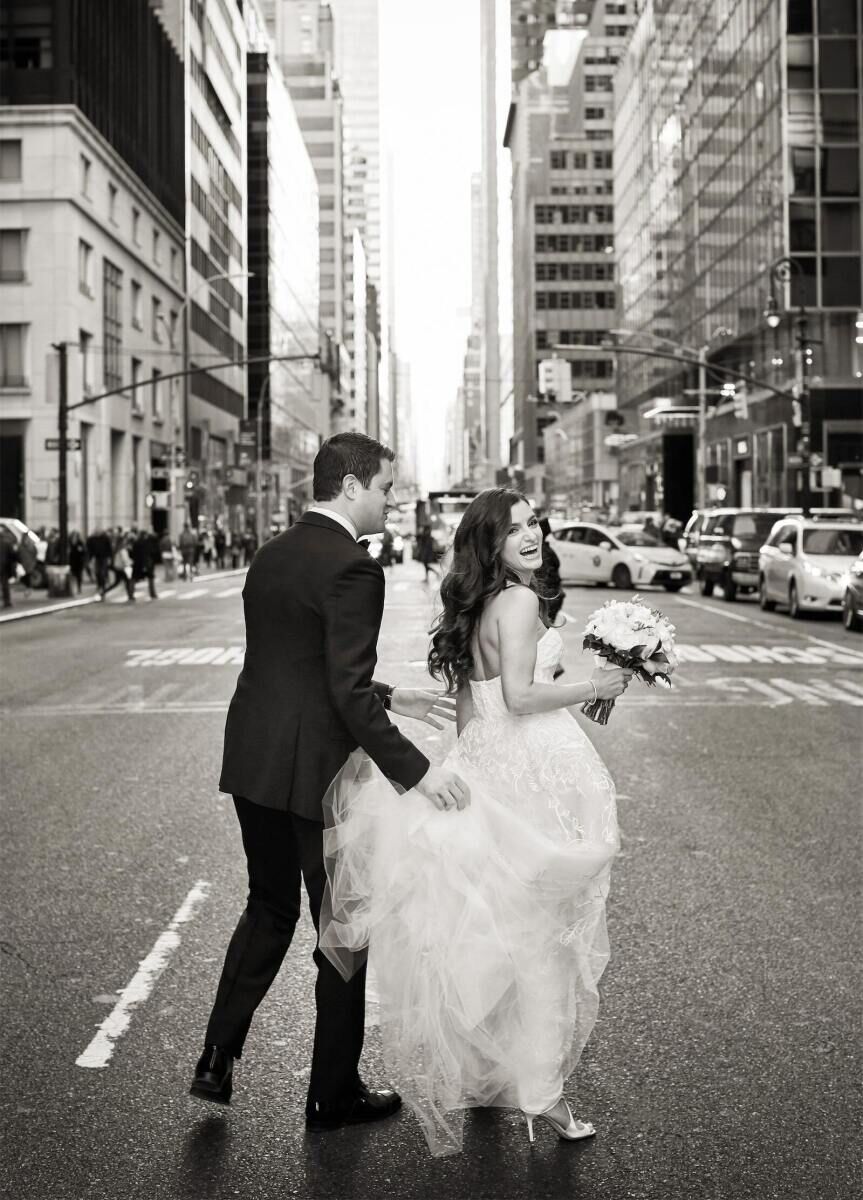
x=781, y=273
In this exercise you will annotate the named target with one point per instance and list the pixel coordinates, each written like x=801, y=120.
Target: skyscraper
x=560, y=133
x=91, y=255
x=304, y=37
x=737, y=143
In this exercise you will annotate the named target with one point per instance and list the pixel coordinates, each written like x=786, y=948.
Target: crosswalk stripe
x=231, y=591
x=195, y=593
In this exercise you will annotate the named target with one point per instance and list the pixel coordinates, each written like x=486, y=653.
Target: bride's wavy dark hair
x=476, y=575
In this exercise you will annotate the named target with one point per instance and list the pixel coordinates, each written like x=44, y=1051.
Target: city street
x=722, y=1064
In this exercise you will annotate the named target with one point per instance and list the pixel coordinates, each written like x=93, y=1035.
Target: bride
x=484, y=928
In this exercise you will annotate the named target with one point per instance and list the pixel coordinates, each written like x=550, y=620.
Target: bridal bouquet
x=629, y=634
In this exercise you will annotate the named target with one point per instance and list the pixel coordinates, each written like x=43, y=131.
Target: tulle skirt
x=485, y=928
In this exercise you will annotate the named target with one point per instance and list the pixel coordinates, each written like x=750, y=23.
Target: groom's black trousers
x=281, y=848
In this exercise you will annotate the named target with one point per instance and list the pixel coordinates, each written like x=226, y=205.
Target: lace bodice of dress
x=487, y=694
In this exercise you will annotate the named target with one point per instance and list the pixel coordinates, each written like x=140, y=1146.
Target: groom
x=304, y=700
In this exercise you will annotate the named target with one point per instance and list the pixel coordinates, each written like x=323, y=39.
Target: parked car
x=637, y=516
x=19, y=532
x=624, y=557
x=692, y=532
x=397, y=550
x=852, y=601
x=728, y=546
x=805, y=562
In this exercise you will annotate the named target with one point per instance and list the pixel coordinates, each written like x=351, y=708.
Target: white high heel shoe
x=572, y=1131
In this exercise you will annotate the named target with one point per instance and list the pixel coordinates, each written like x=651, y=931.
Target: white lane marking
x=167, y=594
x=739, y=652
x=231, y=591
x=791, y=632
x=185, y=656
x=194, y=593
x=100, y=1050
x=722, y=613
x=49, y=608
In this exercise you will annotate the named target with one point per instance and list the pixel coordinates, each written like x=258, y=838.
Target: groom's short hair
x=347, y=454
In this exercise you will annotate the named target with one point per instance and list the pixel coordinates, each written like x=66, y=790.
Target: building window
x=840, y=228
x=136, y=227
x=135, y=394
x=85, y=175
x=112, y=324
x=85, y=268
x=85, y=349
x=157, y=247
x=603, y=160
x=12, y=248
x=158, y=412
x=26, y=39
x=594, y=114
x=137, y=305
x=13, y=345
x=175, y=265
x=840, y=282
x=840, y=167
x=558, y=160
x=156, y=330
x=10, y=159
x=112, y=203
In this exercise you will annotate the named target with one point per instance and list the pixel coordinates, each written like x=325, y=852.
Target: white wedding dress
x=485, y=928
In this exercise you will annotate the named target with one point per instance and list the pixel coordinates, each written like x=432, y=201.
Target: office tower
x=91, y=255
x=737, y=143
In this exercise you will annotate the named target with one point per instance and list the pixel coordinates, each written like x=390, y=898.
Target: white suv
x=804, y=564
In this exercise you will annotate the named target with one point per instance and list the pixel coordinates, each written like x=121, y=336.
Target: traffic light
x=192, y=480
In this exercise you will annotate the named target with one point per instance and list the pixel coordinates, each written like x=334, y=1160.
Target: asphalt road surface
x=725, y=1059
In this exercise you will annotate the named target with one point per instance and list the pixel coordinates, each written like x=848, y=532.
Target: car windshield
x=637, y=537
x=755, y=524
x=844, y=542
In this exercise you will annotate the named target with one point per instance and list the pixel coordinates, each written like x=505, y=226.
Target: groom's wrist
x=388, y=698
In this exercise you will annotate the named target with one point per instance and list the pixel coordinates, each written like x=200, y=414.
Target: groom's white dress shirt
x=345, y=522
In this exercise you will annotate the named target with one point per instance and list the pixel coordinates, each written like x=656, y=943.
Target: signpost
x=54, y=443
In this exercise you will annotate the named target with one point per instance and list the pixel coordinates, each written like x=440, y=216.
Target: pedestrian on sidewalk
x=207, y=547
x=8, y=560
x=145, y=555
x=100, y=553
x=188, y=549
x=426, y=551
x=124, y=568
x=221, y=545
x=77, y=559
x=27, y=560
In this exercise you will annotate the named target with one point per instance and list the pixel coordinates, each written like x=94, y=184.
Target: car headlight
x=815, y=571
x=639, y=558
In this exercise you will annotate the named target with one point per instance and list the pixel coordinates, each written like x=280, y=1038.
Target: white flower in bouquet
x=629, y=634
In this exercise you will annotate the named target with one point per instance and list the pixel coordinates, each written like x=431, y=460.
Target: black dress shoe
x=214, y=1076
x=359, y=1109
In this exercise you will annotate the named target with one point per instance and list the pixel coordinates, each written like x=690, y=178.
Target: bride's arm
x=463, y=707
x=517, y=613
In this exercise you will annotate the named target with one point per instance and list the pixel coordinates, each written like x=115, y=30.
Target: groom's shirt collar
x=345, y=522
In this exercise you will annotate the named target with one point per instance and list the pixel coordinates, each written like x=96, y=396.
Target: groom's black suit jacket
x=305, y=698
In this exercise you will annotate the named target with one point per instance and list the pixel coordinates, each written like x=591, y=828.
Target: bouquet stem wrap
x=599, y=710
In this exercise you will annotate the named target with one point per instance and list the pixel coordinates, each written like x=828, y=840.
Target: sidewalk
x=40, y=604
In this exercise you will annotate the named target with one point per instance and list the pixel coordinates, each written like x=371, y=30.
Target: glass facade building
x=284, y=291
x=737, y=142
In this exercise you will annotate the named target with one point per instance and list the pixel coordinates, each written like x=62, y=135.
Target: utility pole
x=491, y=340
x=802, y=418
x=701, y=448
x=62, y=447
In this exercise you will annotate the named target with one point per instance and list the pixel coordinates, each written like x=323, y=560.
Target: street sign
x=54, y=443
x=795, y=460
x=248, y=435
